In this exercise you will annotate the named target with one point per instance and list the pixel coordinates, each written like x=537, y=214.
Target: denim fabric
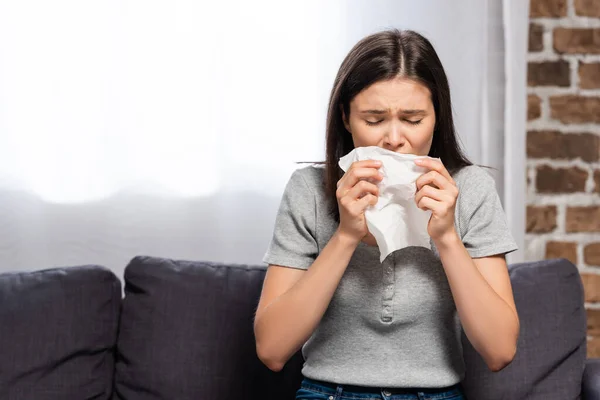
x=313, y=390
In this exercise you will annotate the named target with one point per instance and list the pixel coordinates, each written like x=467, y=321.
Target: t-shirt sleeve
x=294, y=241
x=482, y=220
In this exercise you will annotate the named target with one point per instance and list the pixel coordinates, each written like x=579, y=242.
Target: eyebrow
x=380, y=112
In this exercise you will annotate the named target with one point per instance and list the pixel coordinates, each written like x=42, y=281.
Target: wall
x=563, y=137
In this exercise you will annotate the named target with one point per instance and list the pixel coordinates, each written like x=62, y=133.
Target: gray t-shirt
x=390, y=324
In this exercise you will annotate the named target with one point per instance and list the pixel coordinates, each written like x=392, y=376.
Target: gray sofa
x=183, y=331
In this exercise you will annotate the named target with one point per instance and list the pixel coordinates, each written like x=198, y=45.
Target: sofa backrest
x=186, y=330
x=551, y=349
x=58, y=328
x=187, y=333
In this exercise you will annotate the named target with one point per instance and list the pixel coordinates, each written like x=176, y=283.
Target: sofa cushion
x=551, y=350
x=58, y=331
x=187, y=333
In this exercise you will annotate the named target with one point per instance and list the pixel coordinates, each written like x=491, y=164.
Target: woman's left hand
x=437, y=192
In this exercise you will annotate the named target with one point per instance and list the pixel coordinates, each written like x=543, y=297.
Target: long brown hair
x=379, y=57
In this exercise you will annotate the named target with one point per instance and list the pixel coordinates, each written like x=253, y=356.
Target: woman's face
x=396, y=114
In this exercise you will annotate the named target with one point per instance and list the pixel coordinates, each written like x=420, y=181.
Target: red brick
x=589, y=75
x=593, y=347
x=591, y=254
x=547, y=8
x=549, y=73
x=534, y=109
x=593, y=318
x=556, y=145
x=577, y=40
x=572, y=109
x=536, y=37
x=583, y=219
x=591, y=287
x=541, y=219
x=587, y=8
x=566, y=250
x=560, y=180
x=593, y=322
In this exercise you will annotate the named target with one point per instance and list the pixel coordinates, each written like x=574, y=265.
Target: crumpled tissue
x=395, y=221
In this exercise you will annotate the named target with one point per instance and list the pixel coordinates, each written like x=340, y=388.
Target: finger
x=356, y=174
x=361, y=205
x=431, y=192
x=429, y=204
x=435, y=178
x=361, y=189
x=366, y=164
x=362, y=164
x=435, y=165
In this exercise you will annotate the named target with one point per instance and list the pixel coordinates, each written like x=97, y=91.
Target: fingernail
x=418, y=161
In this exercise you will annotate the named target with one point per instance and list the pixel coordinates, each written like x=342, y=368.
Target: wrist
x=447, y=240
x=346, y=239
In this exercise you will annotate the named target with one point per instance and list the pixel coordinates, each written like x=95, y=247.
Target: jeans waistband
x=367, y=389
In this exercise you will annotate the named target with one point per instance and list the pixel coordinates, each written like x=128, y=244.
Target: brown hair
x=383, y=56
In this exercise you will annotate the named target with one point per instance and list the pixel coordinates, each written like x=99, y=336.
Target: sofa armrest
x=591, y=379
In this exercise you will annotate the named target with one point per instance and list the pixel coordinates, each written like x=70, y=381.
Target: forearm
x=490, y=324
x=287, y=323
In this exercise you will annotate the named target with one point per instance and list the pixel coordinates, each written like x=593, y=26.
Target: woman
x=388, y=330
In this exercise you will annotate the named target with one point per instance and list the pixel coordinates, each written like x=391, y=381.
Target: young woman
x=389, y=330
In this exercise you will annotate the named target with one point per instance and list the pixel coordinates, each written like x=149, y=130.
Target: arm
x=483, y=295
x=480, y=286
x=293, y=302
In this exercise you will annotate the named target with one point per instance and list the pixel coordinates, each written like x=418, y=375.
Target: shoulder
x=474, y=177
x=476, y=187
x=311, y=177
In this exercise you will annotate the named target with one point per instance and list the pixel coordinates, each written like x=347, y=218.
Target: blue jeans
x=314, y=390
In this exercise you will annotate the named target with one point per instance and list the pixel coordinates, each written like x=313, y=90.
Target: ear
x=345, y=119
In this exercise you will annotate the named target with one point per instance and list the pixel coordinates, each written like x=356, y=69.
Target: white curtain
x=516, y=27
x=170, y=128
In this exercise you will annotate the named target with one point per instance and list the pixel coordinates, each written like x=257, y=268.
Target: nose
x=394, y=139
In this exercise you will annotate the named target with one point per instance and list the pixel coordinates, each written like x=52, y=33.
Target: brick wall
x=563, y=142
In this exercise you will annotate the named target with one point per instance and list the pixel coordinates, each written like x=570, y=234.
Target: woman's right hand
x=357, y=190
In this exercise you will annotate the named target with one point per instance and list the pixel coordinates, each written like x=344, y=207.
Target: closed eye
x=372, y=123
